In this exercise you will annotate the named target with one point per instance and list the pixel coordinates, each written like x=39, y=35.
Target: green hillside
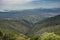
x=23, y=26
x=48, y=28
x=14, y=26
x=51, y=24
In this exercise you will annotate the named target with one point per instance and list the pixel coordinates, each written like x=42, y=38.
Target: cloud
x=15, y=1
x=13, y=4
x=47, y=0
x=28, y=4
x=52, y=0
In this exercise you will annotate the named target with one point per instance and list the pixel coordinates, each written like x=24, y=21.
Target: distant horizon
x=26, y=9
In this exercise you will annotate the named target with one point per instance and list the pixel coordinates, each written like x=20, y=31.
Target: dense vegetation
x=12, y=36
x=47, y=29
x=7, y=35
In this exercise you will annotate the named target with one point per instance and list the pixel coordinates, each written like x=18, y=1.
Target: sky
x=28, y=4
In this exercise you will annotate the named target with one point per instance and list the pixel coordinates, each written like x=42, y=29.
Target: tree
x=1, y=35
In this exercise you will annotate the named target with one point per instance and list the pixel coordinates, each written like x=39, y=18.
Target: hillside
x=15, y=26
x=51, y=24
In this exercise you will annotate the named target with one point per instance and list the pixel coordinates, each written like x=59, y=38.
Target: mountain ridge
x=51, y=24
x=33, y=15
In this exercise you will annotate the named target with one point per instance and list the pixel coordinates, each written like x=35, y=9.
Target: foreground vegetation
x=13, y=36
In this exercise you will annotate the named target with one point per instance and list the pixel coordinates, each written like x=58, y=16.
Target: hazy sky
x=28, y=4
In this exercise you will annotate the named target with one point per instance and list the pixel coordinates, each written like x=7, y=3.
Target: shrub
x=22, y=37
x=49, y=36
x=7, y=35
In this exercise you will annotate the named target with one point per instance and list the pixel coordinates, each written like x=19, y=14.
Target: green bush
x=22, y=37
x=7, y=35
x=49, y=36
x=34, y=37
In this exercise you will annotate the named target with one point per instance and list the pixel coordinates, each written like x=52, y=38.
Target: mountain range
x=31, y=22
x=33, y=15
